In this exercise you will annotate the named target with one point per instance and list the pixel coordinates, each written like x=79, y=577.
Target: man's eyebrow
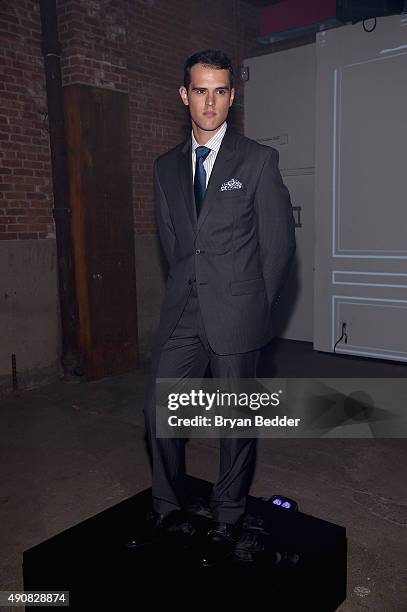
x=218, y=87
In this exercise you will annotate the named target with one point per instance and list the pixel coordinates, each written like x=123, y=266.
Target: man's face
x=209, y=96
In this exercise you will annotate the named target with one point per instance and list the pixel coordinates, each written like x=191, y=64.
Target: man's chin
x=209, y=127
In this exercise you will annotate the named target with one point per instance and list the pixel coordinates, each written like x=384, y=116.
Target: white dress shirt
x=213, y=144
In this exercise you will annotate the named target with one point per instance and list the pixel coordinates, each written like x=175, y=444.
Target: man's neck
x=203, y=136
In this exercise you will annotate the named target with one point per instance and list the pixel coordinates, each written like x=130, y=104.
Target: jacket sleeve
x=164, y=223
x=275, y=226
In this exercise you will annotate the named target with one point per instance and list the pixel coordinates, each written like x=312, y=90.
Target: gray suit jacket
x=238, y=250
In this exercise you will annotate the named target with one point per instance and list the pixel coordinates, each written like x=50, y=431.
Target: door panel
x=361, y=219
x=103, y=228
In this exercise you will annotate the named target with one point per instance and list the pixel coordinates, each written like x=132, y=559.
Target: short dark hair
x=210, y=57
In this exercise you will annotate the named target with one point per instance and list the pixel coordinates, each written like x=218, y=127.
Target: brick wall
x=135, y=46
x=25, y=172
x=93, y=36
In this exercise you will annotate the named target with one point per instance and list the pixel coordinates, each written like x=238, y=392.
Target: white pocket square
x=232, y=184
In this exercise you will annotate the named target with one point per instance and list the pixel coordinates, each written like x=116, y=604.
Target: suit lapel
x=185, y=175
x=220, y=173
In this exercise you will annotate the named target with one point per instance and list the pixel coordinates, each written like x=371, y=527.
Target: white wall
x=280, y=112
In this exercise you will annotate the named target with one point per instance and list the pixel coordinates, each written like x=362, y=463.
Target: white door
x=361, y=190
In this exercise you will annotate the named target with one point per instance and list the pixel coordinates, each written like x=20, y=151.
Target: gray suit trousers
x=187, y=353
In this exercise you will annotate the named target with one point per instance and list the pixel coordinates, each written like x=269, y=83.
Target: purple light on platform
x=286, y=504
x=277, y=501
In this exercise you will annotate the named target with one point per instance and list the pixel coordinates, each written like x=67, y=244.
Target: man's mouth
x=209, y=113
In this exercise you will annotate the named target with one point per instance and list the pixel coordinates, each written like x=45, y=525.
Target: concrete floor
x=70, y=450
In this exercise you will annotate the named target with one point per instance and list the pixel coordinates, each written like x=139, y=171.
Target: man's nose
x=210, y=100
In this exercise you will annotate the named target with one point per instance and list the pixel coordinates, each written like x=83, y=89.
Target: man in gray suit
x=226, y=227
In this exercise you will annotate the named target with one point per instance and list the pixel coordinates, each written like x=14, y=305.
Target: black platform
x=302, y=568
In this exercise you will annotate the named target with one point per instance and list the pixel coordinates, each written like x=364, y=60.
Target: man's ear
x=184, y=95
x=232, y=96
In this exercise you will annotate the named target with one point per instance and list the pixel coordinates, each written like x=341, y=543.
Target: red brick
x=15, y=227
x=27, y=235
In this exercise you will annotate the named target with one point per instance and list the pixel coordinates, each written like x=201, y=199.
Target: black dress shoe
x=219, y=543
x=172, y=528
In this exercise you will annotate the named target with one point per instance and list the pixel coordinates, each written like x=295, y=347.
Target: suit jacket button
x=198, y=251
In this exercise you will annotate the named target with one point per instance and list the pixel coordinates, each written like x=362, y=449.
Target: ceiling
x=262, y=3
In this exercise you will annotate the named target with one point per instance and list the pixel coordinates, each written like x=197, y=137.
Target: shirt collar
x=214, y=142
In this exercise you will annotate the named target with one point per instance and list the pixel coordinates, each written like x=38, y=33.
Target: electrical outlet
x=344, y=332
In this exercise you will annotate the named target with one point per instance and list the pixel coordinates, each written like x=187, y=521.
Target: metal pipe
x=62, y=214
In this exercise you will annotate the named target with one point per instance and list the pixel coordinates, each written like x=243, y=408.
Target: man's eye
x=221, y=91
